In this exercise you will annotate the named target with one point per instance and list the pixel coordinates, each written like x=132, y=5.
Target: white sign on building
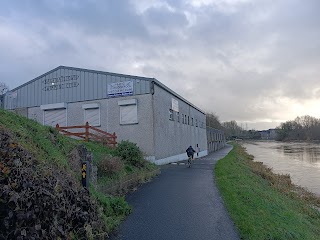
x=175, y=105
x=120, y=89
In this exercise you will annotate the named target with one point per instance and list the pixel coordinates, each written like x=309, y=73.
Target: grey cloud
x=164, y=18
x=92, y=16
x=239, y=64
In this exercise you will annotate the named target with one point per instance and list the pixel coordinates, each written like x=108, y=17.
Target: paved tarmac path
x=182, y=203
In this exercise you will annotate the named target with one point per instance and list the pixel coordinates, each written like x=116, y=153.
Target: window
x=185, y=119
x=55, y=114
x=178, y=117
x=196, y=122
x=128, y=114
x=92, y=114
x=188, y=120
x=128, y=111
x=191, y=121
x=171, y=115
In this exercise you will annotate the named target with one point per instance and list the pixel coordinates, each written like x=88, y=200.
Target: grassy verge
x=265, y=205
x=114, y=209
x=52, y=150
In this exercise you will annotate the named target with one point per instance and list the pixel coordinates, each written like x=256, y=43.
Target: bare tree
x=3, y=88
x=302, y=128
x=232, y=129
x=212, y=120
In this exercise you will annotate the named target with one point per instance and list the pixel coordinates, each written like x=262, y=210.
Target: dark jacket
x=190, y=151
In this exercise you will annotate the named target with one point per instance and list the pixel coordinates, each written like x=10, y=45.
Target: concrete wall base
x=175, y=158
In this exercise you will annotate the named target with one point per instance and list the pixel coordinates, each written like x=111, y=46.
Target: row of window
x=185, y=119
x=128, y=114
x=92, y=114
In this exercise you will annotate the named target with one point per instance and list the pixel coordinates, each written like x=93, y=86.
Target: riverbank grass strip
x=264, y=205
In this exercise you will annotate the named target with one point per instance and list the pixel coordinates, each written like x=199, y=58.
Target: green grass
x=114, y=209
x=44, y=143
x=99, y=151
x=260, y=208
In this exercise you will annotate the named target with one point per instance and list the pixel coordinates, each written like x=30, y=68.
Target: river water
x=299, y=159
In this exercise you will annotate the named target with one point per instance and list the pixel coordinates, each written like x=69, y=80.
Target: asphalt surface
x=181, y=203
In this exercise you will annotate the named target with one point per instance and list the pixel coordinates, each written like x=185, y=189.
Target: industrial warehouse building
x=138, y=109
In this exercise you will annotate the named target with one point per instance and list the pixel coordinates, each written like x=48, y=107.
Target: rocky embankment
x=41, y=201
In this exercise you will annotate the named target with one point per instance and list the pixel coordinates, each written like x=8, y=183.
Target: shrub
x=130, y=153
x=110, y=165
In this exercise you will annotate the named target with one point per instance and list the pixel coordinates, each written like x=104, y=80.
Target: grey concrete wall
x=36, y=114
x=140, y=133
x=21, y=111
x=172, y=138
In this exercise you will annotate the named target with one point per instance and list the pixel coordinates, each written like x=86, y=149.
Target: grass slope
x=43, y=142
x=264, y=205
x=53, y=149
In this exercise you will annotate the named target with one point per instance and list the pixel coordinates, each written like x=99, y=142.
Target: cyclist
x=190, y=151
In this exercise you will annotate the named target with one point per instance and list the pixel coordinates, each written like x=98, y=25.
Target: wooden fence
x=90, y=133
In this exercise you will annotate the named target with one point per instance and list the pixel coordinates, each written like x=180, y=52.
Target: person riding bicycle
x=190, y=151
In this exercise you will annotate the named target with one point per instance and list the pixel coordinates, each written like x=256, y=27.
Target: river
x=300, y=160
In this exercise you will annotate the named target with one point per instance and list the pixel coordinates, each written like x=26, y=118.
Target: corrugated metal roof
x=81, y=69
x=157, y=82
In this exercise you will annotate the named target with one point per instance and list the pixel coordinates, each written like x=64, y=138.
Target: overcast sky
x=253, y=61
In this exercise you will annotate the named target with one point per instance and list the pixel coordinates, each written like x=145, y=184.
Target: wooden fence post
x=114, y=139
x=87, y=132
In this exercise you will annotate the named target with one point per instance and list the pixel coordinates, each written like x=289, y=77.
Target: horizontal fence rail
x=89, y=133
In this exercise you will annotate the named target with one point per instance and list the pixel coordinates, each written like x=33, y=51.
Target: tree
x=212, y=121
x=3, y=88
x=232, y=129
x=302, y=128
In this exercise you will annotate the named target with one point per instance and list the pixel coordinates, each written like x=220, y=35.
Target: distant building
x=139, y=109
x=270, y=134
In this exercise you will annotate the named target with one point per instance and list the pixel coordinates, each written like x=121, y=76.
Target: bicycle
x=190, y=161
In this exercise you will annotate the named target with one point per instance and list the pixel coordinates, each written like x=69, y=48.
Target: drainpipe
x=153, y=118
x=152, y=88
